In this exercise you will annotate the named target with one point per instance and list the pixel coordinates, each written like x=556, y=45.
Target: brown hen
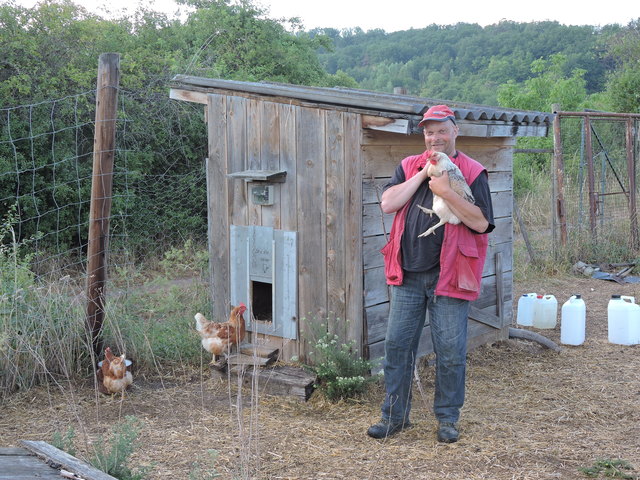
x=219, y=338
x=115, y=377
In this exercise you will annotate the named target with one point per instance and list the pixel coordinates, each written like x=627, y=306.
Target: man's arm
x=394, y=198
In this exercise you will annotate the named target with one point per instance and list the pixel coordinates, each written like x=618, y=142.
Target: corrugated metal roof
x=368, y=100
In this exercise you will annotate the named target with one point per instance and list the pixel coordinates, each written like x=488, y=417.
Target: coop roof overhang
x=381, y=111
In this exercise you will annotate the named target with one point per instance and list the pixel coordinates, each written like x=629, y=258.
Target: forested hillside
x=465, y=62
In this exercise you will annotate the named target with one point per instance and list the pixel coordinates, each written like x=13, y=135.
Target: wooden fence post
x=631, y=173
x=588, y=152
x=101, y=188
x=558, y=157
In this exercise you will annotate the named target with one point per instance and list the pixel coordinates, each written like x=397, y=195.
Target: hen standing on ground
x=437, y=163
x=115, y=376
x=219, y=338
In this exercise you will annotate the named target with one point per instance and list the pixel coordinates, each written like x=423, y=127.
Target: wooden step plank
x=241, y=359
x=259, y=350
x=282, y=380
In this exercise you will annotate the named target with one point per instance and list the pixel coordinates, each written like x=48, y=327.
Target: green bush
x=341, y=373
x=112, y=455
x=187, y=259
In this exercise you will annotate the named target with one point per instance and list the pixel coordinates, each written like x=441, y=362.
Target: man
x=439, y=274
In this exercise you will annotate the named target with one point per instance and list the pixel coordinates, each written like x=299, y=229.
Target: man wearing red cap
x=439, y=274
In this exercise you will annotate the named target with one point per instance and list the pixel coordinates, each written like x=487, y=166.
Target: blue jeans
x=448, y=320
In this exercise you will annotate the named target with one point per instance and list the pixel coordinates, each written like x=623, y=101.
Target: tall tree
x=547, y=86
x=51, y=51
x=623, y=85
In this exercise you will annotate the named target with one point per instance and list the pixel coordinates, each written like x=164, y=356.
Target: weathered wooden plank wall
x=218, y=209
x=311, y=199
x=320, y=199
x=353, y=232
x=336, y=221
x=382, y=152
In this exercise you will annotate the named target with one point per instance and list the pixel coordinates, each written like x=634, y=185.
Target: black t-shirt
x=423, y=254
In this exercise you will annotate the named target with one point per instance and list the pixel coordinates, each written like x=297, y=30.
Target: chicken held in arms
x=219, y=338
x=437, y=163
x=115, y=376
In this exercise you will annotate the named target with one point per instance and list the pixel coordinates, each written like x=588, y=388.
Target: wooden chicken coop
x=294, y=179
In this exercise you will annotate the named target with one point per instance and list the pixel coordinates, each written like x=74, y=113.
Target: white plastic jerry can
x=623, y=320
x=545, y=312
x=573, y=321
x=526, y=304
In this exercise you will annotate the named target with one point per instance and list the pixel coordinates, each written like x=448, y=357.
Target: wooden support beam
x=386, y=124
x=484, y=317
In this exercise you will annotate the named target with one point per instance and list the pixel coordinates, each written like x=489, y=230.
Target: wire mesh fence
x=46, y=157
x=582, y=209
x=585, y=206
x=596, y=189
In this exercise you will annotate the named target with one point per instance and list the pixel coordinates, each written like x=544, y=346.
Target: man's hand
x=440, y=185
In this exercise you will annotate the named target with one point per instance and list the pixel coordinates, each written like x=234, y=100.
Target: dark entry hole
x=262, y=301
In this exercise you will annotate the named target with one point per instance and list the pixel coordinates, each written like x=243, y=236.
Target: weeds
x=610, y=468
x=599, y=236
x=187, y=259
x=341, y=373
x=112, y=455
x=207, y=471
x=42, y=333
x=65, y=442
x=155, y=322
x=39, y=334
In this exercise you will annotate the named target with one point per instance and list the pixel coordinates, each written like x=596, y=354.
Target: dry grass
x=529, y=414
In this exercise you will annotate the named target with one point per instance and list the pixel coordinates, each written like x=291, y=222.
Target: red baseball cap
x=439, y=113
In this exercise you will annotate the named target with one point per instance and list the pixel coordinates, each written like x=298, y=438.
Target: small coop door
x=264, y=277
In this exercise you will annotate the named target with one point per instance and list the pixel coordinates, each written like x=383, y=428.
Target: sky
x=403, y=15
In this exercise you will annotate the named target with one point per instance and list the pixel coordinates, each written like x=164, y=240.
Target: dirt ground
x=530, y=413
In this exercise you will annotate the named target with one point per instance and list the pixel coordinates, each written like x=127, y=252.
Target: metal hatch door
x=264, y=277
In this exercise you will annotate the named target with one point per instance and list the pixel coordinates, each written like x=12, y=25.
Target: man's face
x=441, y=136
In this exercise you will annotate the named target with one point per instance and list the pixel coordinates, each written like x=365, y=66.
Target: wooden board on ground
x=285, y=380
x=249, y=354
x=38, y=459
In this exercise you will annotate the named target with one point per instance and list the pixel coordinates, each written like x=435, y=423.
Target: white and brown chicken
x=437, y=163
x=219, y=338
x=115, y=376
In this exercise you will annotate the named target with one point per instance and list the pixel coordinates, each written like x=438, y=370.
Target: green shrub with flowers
x=341, y=372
